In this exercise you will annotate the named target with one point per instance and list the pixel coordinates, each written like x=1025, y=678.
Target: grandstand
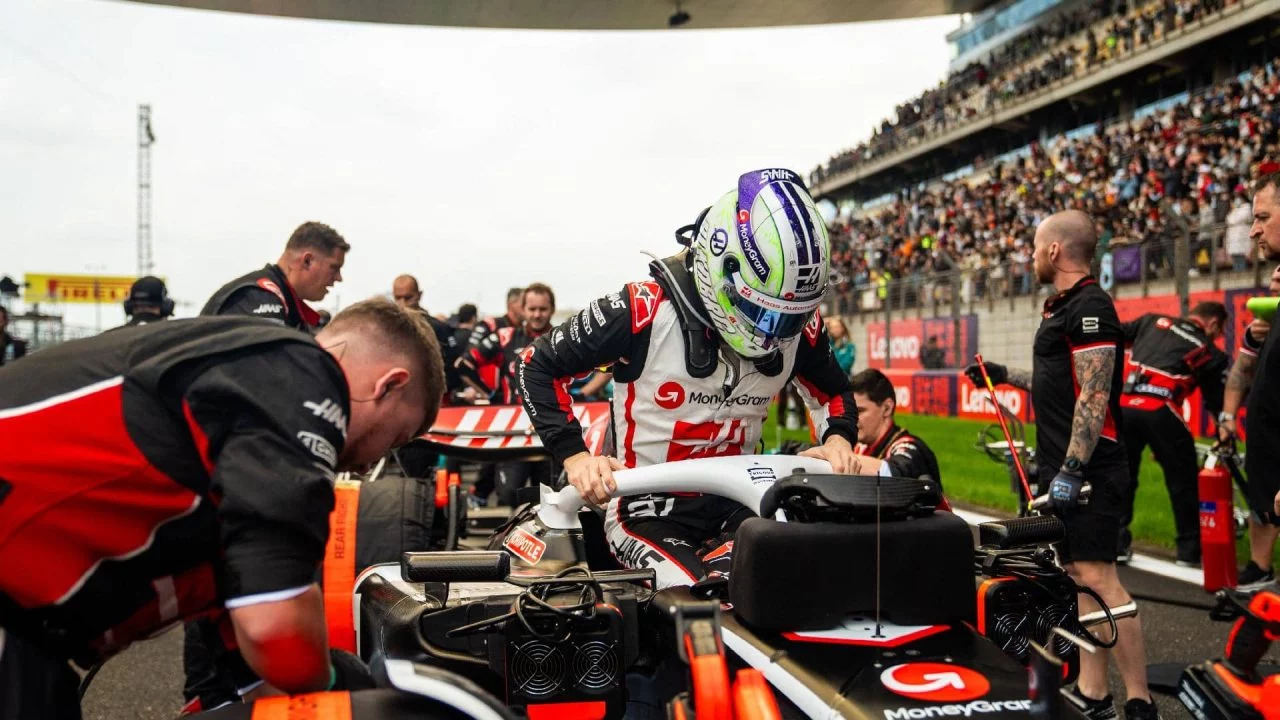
x=1153, y=116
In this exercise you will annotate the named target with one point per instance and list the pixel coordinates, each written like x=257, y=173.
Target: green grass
x=973, y=479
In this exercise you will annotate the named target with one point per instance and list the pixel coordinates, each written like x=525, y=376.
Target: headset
x=166, y=302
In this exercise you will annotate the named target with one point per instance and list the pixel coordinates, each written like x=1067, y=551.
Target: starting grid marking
x=1145, y=563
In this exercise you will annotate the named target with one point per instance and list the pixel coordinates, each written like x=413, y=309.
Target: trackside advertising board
x=948, y=393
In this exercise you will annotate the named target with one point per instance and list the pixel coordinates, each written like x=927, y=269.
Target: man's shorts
x=1093, y=530
x=1263, y=486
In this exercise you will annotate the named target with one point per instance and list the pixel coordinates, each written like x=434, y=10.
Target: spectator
x=1238, y=244
x=841, y=345
x=933, y=357
x=11, y=348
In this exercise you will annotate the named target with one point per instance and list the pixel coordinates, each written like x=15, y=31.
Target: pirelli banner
x=61, y=288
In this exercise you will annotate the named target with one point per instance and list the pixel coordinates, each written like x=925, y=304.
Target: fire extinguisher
x=1217, y=526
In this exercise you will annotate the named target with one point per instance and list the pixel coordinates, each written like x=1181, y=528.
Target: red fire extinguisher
x=1217, y=530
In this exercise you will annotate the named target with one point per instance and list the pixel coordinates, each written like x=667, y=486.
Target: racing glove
x=1064, y=491
x=348, y=672
x=998, y=373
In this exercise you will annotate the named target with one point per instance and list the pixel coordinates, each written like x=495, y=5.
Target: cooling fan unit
x=1013, y=611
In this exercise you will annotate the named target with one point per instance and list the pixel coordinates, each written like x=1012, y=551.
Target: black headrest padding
x=809, y=576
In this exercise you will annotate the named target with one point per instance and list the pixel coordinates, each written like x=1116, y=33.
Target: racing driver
x=165, y=472
x=697, y=353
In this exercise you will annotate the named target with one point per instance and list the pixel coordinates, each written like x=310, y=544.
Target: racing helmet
x=760, y=261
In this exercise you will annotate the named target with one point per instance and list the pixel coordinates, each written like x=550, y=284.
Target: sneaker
x=1104, y=709
x=1253, y=577
x=1137, y=709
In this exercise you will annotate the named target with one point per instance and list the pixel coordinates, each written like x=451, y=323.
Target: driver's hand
x=837, y=451
x=593, y=475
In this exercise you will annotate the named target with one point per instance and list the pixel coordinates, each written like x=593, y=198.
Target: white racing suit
x=665, y=409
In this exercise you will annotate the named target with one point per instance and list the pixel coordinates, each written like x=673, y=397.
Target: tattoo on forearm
x=1019, y=378
x=1239, y=380
x=1093, y=370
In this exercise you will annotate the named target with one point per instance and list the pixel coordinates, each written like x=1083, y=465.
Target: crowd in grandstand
x=1142, y=180
x=1071, y=42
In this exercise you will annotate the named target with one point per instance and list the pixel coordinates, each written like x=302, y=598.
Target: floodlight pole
x=145, y=140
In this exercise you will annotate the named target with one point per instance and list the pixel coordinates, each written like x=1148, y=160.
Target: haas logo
x=669, y=396
x=935, y=682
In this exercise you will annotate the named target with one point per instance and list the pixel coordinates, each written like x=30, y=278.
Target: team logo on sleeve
x=268, y=285
x=330, y=411
x=645, y=297
x=319, y=447
x=813, y=328
x=1089, y=324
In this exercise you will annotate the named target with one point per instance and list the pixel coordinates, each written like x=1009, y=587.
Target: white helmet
x=761, y=258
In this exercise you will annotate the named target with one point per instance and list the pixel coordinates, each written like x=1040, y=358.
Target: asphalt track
x=145, y=682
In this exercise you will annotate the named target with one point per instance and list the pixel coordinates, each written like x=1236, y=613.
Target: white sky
x=474, y=159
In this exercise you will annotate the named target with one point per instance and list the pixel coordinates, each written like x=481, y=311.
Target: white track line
x=1145, y=563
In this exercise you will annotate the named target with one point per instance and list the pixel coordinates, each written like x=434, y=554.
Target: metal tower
x=145, y=140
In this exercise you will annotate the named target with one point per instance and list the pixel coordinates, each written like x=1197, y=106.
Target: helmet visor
x=770, y=317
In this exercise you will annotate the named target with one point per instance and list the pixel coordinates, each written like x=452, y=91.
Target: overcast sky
x=474, y=159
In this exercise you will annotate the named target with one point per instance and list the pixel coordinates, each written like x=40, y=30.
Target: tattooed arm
x=1093, y=369
x=1239, y=380
x=1019, y=378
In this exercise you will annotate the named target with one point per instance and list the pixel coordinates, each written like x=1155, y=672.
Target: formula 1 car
x=849, y=597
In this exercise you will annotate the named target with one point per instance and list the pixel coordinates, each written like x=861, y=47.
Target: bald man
x=1075, y=385
x=408, y=295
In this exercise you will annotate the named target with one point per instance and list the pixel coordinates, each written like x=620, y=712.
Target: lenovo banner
x=916, y=343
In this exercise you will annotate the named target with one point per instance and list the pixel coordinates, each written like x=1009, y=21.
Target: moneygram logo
x=935, y=682
x=669, y=396
x=975, y=708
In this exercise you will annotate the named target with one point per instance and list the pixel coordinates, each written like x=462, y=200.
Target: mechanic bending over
x=1075, y=385
x=160, y=473
x=697, y=354
x=1170, y=358
x=310, y=264
x=1256, y=374
x=881, y=441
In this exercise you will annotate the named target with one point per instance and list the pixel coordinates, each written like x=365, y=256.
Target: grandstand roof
x=590, y=14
